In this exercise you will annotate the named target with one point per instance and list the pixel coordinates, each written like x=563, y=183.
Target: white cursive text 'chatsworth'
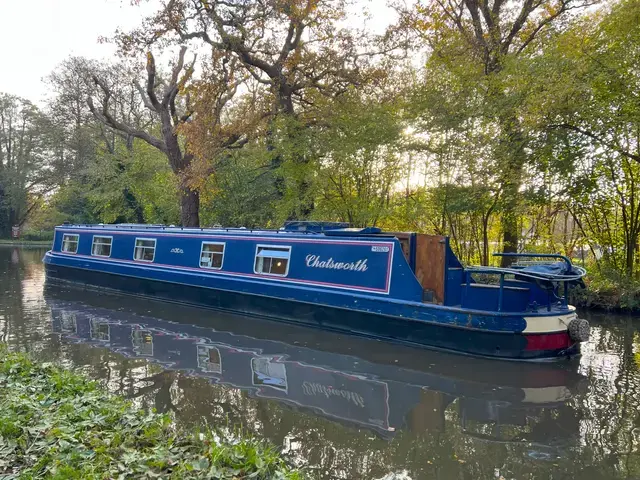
x=316, y=262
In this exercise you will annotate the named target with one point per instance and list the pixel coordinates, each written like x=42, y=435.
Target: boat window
x=142, y=341
x=70, y=243
x=101, y=246
x=272, y=260
x=211, y=255
x=209, y=359
x=145, y=250
x=99, y=330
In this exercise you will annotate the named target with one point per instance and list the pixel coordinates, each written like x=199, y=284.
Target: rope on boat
x=553, y=277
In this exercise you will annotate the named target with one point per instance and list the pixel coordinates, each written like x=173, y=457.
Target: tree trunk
x=513, y=158
x=511, y=200
x=13, y=217
x=304, y=206
x=630, y=254
x=485, y=241
x=189, y=207
x=509, y=234
x=133, y=203
x=4, y=220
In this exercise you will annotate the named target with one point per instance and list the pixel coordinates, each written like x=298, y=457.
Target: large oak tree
x=293, y=49
x=169, y=100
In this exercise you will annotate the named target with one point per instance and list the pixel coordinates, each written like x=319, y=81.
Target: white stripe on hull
x=550, y=324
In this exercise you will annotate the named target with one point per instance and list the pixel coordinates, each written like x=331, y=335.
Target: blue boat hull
x=494, y=344
x=366, y=383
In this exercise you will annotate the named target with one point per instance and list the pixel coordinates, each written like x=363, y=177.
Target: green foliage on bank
x=56, y=424
x=37, y=235
x=608, y=290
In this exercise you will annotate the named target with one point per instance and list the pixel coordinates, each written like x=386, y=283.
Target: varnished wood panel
x=405, y=239
x=430, y=264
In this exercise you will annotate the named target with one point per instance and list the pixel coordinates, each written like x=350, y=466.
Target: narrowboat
x=403, y=287
x=382, y=387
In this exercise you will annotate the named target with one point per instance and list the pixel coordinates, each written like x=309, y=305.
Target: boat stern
x=560, y=333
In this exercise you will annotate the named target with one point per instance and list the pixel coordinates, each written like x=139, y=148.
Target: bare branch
x=143, y=96
x=472, y=6
x=525, y=11
x=151, y=82
x=104, y=116
x=170, y=90
x=597, y=138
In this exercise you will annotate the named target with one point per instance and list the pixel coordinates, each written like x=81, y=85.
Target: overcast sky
x=36, y=35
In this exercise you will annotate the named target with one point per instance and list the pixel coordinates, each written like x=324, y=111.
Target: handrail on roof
x=554, y=277
x=537, y=255
x=370, y=232
x=123, y=226
x=575, y=275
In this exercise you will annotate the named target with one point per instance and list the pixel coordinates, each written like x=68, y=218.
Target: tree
x=77, y=136
x=600, y=96
x=222, y=121
x=481, y=42
x=240, y=193
x=290, y=46
x=165, y=108
x=293, y=48
x=359, y=156
x=88, y=153
x=23, y=166
x=170, y=103
x=587, y=110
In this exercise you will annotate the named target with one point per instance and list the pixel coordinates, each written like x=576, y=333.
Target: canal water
x=343, y=407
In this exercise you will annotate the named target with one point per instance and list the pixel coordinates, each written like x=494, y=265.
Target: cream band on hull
x=552, y=323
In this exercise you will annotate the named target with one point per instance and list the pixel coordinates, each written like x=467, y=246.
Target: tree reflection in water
x=344, y=407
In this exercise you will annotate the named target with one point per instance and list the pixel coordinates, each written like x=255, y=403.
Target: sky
x=36, y=35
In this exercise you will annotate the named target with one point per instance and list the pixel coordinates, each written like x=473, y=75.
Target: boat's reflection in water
x=356, y=381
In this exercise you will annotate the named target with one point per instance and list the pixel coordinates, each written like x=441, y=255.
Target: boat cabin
x=324, y=255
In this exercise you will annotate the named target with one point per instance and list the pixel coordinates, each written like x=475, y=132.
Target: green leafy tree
x=24, y=150
x=293, y=52
x=588, y=112
x=477, y=46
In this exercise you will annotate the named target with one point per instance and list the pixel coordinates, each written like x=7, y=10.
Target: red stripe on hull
x=548, y=341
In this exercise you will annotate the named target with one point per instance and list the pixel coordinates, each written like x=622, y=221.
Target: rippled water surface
x=343, y=407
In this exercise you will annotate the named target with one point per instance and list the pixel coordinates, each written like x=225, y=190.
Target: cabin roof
x=369, y=232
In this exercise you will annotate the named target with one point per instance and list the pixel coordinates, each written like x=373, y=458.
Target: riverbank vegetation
x=57, y=424
x=507, y=125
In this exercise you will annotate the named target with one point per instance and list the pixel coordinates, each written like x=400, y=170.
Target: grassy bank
x=608, y=291
x=31, y=238
x=25, y=243
x=57, y=424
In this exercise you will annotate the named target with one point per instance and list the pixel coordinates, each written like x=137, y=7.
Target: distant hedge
x=37, y=235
